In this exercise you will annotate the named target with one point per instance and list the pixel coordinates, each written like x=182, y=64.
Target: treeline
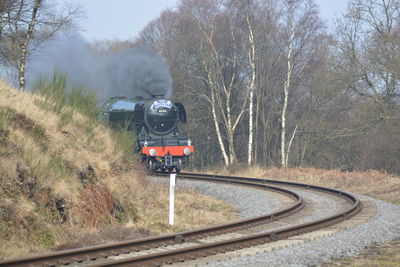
x=266, y=82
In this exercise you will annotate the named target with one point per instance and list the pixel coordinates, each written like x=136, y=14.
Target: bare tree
x=221, y=93
x=301, y=26
x=369, y=46
x=251, y=54
x=26, y=24
x=289, y=60
x=25, y=42
x=218, y=57
x=245, y=13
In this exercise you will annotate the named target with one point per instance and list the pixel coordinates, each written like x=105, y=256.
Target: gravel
x=384, y=227
x=381, y=229
x=325, y=205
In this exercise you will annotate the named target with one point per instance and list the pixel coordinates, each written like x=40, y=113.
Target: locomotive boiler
x=155, y=123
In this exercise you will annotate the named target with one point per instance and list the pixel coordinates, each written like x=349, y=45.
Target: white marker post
x=172, y=179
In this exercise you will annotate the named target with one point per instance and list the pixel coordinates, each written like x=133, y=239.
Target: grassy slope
x=371, y=183
x=66, y=181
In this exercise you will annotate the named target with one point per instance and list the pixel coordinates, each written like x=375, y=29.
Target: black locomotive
x=155, y=123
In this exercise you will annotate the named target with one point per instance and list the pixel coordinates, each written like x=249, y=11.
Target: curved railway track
x=104, y=255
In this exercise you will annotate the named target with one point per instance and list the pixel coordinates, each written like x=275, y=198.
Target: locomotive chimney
x=156, y=97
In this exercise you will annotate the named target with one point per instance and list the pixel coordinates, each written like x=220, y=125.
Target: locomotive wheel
x=178, y=166
x=150, y=165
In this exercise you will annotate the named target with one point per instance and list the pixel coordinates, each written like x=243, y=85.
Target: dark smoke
x=134, y=71
x=137, y=70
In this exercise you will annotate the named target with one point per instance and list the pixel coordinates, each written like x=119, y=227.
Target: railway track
x=183, y=246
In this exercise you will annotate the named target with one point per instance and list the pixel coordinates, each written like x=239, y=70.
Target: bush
x=125, y=141
x=56, y=91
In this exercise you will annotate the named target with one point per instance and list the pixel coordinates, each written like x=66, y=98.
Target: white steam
x=135, y=71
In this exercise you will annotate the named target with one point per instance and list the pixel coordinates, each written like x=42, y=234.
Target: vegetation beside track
x=385, y=255
x=68, y=181
x=383, y=186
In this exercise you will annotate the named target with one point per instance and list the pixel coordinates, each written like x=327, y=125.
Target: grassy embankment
x=370, y=183
x=67, y=181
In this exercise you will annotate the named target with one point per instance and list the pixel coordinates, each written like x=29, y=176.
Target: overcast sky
x=124, y=19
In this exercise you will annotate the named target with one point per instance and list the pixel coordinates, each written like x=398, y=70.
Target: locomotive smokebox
x=161, y=117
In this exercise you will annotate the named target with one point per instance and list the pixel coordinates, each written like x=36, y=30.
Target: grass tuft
x=57, y=96
x=125, y=142
x=96, y=207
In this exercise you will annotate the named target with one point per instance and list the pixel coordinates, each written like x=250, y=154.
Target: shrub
x=59, y=96
x=125, y=142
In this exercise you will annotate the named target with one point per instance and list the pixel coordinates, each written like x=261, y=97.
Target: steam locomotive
x=155, y=123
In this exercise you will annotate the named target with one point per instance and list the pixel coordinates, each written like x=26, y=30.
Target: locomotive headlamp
x=187, y=151
x=152, y=152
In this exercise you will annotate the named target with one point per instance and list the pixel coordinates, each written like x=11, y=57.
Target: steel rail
x=202, y=250
x=225, y=179
x=123, y=247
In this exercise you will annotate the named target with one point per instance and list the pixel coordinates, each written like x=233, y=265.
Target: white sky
x=124, y=19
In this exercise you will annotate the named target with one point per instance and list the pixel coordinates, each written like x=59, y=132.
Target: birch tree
x=221, y=95
x=23, y=44
x=289, y=59
x=244, y=13
x=300, y=28
x=25, y=25
x=219, y=58
x=251, y=55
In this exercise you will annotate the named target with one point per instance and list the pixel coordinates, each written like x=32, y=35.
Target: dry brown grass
x=385, y=255
x=192, y=210
x=372, y=183
x=96, y=205
x=64, y=177
x=105, y=235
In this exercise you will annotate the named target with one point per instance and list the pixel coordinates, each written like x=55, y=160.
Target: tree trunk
x=283, y=123
x=256, y=129
x=230, y=131
x=286, y=86
x=217, y=129
x=289, y=146
x=251, y=57
x=1, y=24
x=250, y=146
x=24, y=45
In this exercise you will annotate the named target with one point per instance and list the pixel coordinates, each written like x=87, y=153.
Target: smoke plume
x=134, y=71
